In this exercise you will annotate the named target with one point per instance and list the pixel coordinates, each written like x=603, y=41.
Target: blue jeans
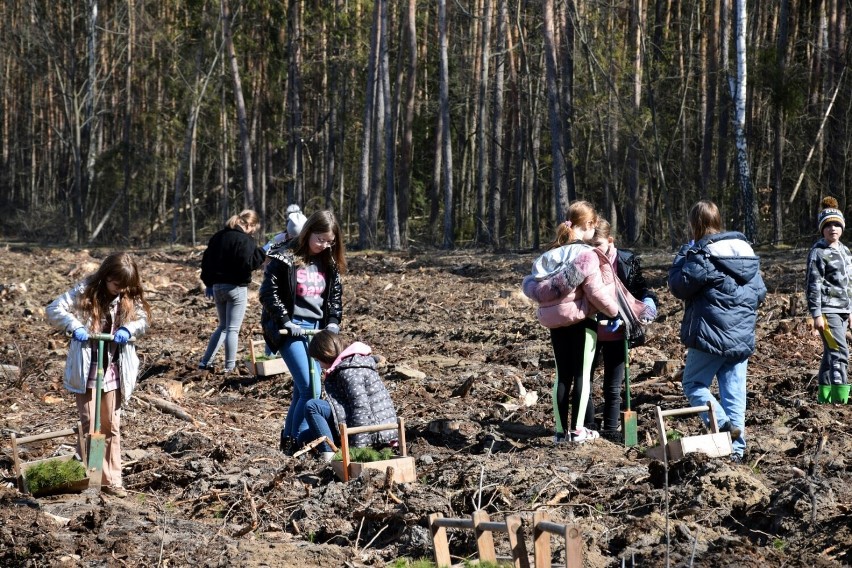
x=231, y=307
x=294, y=351
x=698, y=374
x=320, y=423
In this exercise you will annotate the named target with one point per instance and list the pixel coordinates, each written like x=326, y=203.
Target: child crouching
x=352, y=393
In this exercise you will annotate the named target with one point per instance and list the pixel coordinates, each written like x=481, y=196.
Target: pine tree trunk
x=554, y=112
x=365, y=233
x=242, y=117
x=480, y=235
x=495, y=184
x=405, y=152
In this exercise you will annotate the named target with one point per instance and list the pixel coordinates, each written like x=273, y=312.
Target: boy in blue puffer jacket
x=718, y=277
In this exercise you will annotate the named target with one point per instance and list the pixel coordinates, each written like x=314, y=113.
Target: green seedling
x=364, y=455
x=673, y=435
x=54, y=473
x=263, y=358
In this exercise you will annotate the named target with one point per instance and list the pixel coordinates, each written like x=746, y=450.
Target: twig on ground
x=255, y=520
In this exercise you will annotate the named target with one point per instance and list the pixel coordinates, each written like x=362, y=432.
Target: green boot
x=824, y=394
x=840, y=393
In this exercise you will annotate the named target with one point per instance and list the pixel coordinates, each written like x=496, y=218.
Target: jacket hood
x=554, y=260
x=282, y=251
x=356, y=348
x=731, y=254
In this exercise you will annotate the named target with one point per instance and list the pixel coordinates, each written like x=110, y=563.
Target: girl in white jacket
x=109, y=301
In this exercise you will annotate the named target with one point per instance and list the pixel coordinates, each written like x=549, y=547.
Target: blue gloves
x=293, y=329
x=691, y=243
x=333, y=328
x=80, y=334
x=121, y=336
x=613, y=324
x=208, y=291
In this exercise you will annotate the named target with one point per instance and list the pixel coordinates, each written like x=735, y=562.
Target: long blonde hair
x=579, y=214
x=704, y=219
x=245, y=219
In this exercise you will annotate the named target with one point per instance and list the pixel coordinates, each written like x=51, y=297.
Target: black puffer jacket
x=359, y=397
x=629, y=271
x=230, y=257
x=278, y=292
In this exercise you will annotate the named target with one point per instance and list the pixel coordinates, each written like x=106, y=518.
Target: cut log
x=167, y=407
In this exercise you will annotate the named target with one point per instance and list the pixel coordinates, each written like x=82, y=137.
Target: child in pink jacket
x=571, y=283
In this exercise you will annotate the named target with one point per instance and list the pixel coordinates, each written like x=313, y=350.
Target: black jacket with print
x=278, y=293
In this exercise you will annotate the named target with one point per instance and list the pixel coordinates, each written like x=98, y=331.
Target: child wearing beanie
x=829, y=294
x=295, y=221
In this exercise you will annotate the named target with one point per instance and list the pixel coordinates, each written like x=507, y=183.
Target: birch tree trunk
x=446, y=144
x=738, y=94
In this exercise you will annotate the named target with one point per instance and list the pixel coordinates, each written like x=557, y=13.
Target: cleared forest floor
x=457, y=338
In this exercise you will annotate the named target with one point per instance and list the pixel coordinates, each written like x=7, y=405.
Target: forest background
x=420, y=122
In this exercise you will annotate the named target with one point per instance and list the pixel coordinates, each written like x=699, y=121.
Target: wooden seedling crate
x=265, y=367
x=714, y=444
x=403, y=465
x=22, y=467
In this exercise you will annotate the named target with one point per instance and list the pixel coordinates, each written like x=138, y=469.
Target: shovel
x=97, y=441
x=628, y=417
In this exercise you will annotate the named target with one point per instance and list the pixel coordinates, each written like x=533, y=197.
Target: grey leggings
x=231, y=307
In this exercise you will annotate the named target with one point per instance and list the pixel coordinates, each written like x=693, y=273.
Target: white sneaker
x=326, y=456
x=584, y=434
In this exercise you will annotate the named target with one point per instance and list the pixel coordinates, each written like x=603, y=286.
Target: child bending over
x=353, y=393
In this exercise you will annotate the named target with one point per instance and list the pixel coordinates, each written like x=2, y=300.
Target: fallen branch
x=255, y=521
x=167, y=407
x=311, y=445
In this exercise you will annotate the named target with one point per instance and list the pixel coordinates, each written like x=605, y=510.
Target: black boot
x=287, y=444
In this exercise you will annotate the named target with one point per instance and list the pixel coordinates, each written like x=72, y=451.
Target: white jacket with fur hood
x=61, y=314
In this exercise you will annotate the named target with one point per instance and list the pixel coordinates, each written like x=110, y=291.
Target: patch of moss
x=54, y=473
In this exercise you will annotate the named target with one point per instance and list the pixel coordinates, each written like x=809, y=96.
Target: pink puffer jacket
x=584, y=286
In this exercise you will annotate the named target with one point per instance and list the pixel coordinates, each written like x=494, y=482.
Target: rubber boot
x=824, y=394
x=840, y=394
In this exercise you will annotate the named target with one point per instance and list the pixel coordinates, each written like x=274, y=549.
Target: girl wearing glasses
x=302, y=290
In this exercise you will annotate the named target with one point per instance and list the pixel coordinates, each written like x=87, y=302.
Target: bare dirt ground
x=214, y=490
